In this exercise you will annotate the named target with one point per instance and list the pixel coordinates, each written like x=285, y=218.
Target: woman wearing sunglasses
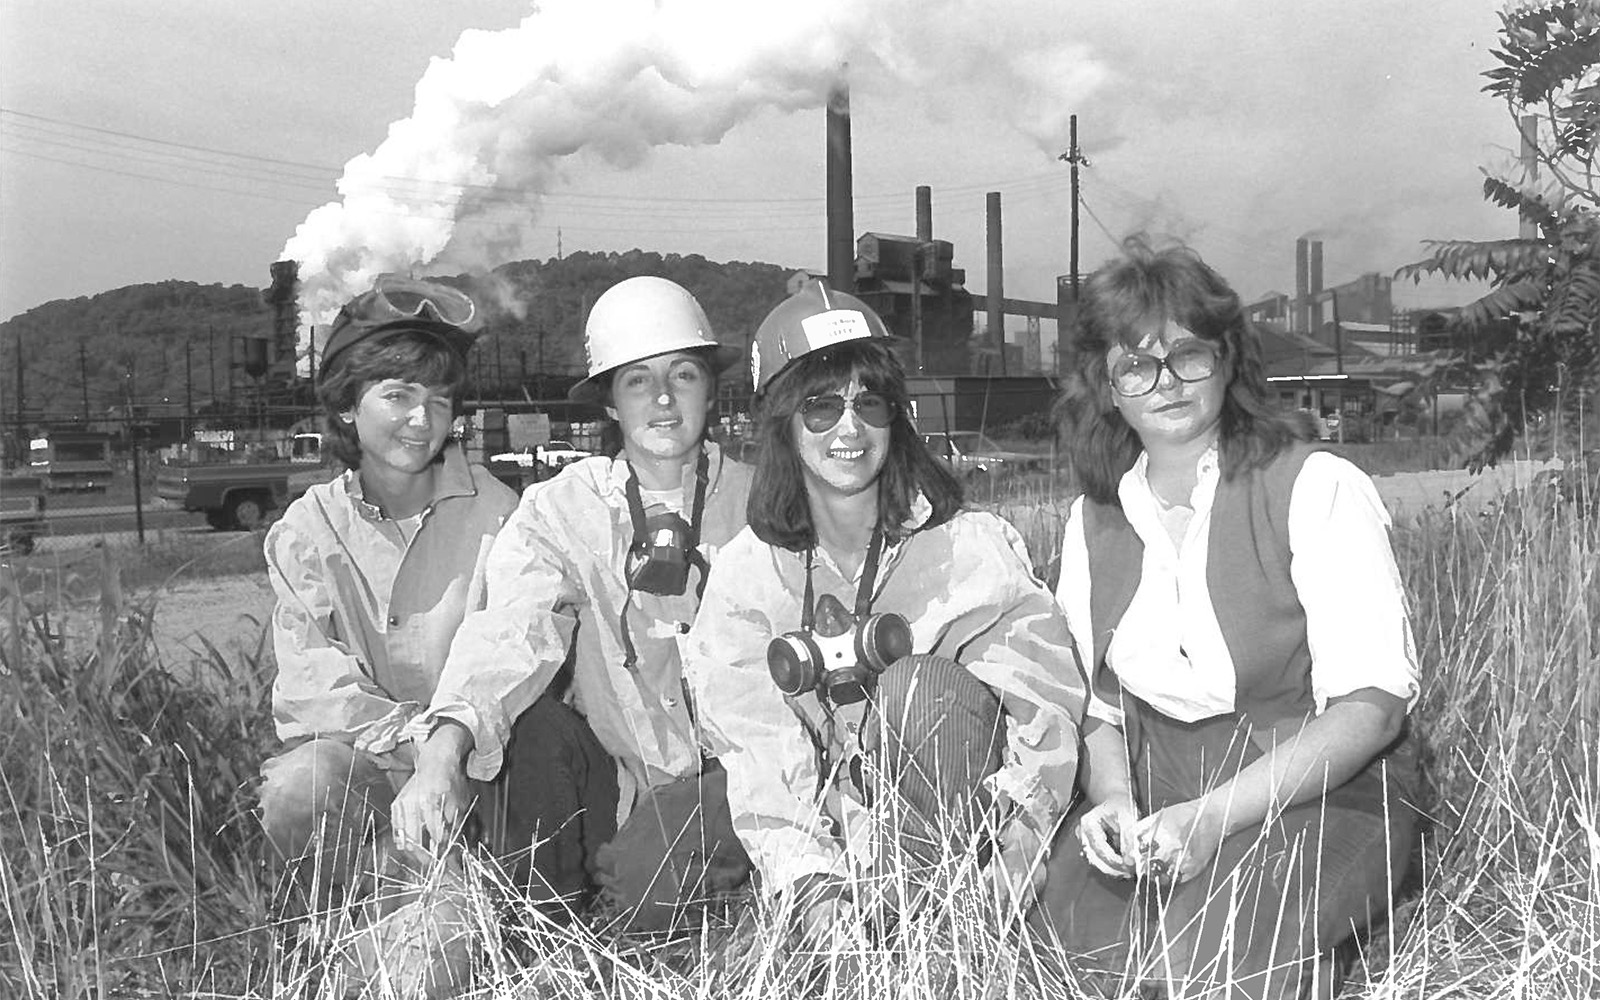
x=865, y=625
x=1236, y=598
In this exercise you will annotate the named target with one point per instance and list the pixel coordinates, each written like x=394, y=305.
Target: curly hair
x=408, y=354
x=778, y=510
x=1121, y=303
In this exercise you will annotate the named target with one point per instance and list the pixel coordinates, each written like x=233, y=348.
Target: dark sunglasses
x=821, y=413
x=1136, y=373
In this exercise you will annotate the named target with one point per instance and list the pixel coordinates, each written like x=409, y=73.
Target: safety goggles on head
x=821, y=413
x=396, y=297
x=1136, y=373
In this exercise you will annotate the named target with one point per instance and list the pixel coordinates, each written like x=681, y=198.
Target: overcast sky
x=190, y=138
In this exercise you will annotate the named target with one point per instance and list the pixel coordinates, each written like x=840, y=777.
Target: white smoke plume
x=618, y=77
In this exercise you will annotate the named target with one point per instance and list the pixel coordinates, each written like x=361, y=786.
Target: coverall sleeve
x=323, y=688
x=504, y=655
x=770, y=759
x=1028, y=657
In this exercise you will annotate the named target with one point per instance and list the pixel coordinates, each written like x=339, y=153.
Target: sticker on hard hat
x=834, y=326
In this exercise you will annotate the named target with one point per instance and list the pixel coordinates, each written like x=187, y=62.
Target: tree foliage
x=1549, y=80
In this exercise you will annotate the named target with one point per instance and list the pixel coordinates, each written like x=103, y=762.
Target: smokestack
x=1316, y=286
x=996, y=298
x=924, y=213
x=1302, y=282
x=841, y=211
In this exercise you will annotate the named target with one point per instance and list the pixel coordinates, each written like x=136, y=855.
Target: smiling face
x=846, y=458
x=660, y=405
x=1174, y=412
x=401, y=425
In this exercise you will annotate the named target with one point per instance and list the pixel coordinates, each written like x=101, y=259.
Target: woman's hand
x=1018, y=868
x=1178, y=842
x=1109, y=835
x=430, y=807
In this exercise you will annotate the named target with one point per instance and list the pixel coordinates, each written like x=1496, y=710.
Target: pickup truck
x=232, y=495
x=971, y=453
x=21, y=512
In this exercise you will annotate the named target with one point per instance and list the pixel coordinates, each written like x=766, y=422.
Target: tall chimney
x=1316, y=286
x=924, y=213
x=996, y=297
x=841, y=212
x=1302, y=284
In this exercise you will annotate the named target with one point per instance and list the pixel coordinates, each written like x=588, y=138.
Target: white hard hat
x=640, y=318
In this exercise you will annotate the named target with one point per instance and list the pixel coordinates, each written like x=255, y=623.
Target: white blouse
x=1169, y=649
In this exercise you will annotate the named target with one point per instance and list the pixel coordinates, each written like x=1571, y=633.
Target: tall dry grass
x=131, y=861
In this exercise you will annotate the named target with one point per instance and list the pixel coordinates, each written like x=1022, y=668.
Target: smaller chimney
x=1316, y=286
x=924, y=213
x=1302, y=283
x=996, y=296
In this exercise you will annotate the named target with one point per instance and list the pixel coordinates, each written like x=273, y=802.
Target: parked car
x=21, y=512
x=972, y=453
x=555, y=454
x=241, y=495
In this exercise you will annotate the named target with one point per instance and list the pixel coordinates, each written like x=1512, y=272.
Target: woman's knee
x=321, y=787
x=937, y=730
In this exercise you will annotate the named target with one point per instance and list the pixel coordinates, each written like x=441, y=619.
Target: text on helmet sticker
x=834, y=326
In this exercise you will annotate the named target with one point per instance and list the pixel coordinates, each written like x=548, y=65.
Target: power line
x=1015, y=187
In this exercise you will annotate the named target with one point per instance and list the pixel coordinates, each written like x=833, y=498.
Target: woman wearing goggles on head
x=374, y=573
x=1247, y=636
x=601, y=567
x=862, y=592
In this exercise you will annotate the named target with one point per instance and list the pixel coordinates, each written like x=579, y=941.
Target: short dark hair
x=778, y=511
x=1121, y=302
x=408, y=354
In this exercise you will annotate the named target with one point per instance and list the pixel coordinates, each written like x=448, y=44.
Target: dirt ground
x=230, y=613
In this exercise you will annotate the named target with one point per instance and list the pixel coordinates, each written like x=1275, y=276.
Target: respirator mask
x=658, y=563
x=842, y=656
x=833, y=652
x=664, y=544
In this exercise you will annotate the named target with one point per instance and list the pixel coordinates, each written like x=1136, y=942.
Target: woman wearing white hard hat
x=601, y=567
x=863, y=592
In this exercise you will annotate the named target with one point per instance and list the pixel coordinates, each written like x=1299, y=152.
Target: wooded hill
x=128, y=345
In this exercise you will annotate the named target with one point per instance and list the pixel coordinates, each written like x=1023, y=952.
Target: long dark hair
x=406, y=354
x=778, y=510
x=1121, y=302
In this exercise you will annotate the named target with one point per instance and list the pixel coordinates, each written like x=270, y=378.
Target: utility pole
x=188, y=387
x=21, y=389
x=1074, y=157
x=211, y=337
x=83, y=378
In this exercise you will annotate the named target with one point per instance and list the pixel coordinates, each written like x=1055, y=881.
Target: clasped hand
x=1173, y=844
x=430, y=807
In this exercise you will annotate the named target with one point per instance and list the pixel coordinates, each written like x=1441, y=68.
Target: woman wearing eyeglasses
x=1235, y=596
x=865, y=624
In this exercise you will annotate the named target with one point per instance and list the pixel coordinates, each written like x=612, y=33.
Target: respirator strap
x=702, y=477
x=864, y=592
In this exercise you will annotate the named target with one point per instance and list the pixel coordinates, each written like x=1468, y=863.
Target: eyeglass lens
x=821, y=413
x=1137, y=373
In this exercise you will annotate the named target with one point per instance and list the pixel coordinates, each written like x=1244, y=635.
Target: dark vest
x=1262, y=623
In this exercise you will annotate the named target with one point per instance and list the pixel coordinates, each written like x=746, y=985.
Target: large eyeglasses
x=396, y=297
x=1136, y=373
x=821, y=413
